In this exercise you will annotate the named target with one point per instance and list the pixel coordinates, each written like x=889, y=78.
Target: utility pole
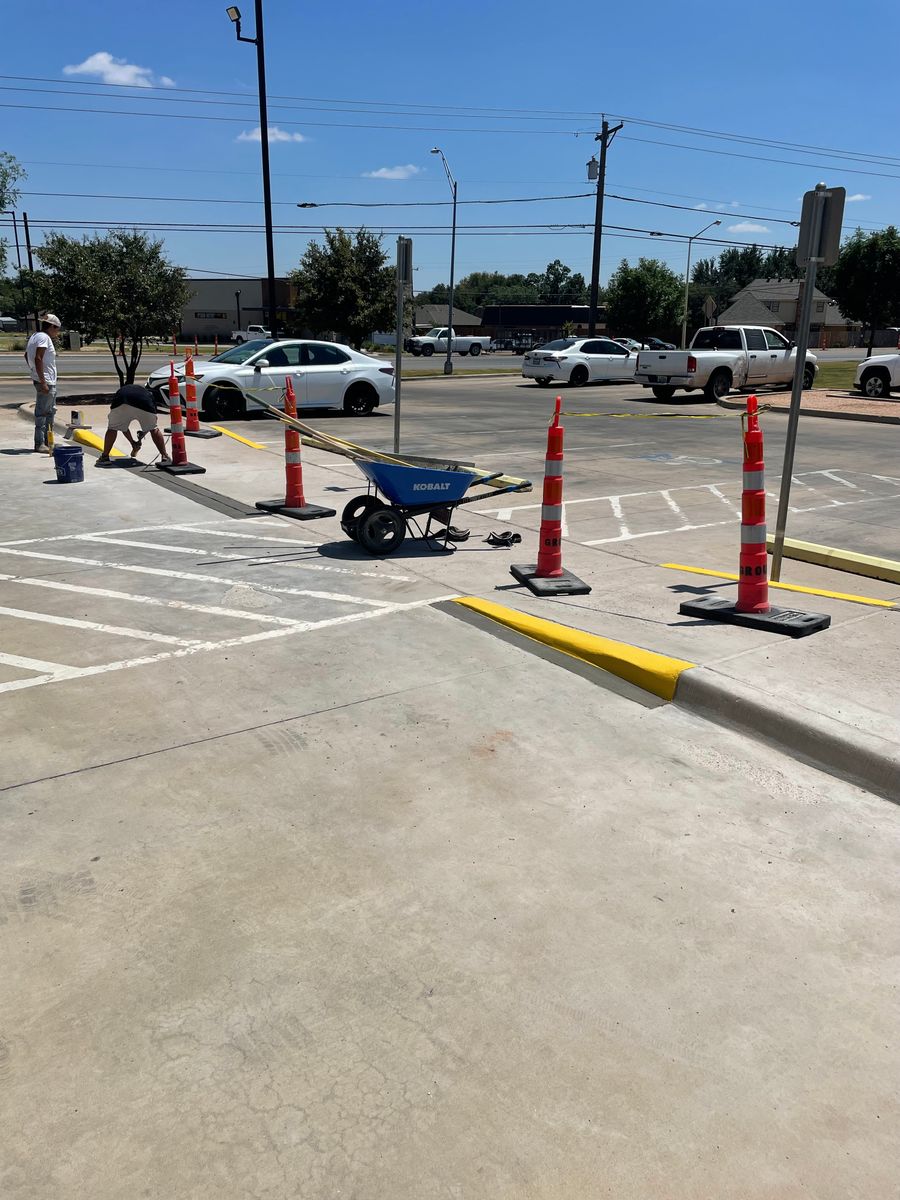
x=598, y=171
x=37, y=319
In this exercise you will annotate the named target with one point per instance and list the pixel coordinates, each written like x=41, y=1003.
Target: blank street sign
x=829, y=245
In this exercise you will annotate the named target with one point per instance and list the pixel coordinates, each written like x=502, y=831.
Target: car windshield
x=717, y=339
x=433, y=333
x=559, y=344
x=240, y=354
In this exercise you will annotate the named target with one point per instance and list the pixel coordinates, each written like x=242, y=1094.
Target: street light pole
x=687, y=282
x=237, y=305
x=598, y=171
x=234, y=15
x=11, y=212
x=448, y=365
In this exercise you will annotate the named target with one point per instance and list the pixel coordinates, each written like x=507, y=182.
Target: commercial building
x=217, y=306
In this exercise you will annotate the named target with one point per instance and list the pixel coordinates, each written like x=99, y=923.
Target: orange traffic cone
x=547, y=577
x=179, y=464
x=294, y=502
x=193, y=427
x=753, y=607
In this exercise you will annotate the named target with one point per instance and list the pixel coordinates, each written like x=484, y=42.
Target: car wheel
x=876, y=385
x=475, y=350
x=416, y=352
x=382, y=531
x=579, y=377
x=719, y=385
x=428, y=351
x=543, y=382
x=355, y=511
x=809, y=378
x=663, y=392
x=360, y=400
x=224, y=403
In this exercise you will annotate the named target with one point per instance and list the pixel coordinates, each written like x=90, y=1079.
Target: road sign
x=828, y=244
x=405, y=262
x=709, y=308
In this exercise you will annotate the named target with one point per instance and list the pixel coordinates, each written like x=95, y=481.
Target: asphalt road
x=90, y=363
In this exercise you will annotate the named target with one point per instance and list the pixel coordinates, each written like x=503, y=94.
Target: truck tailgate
x=662, y=364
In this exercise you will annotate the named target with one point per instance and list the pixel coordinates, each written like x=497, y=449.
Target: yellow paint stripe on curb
x=91, y=439
x=840, y=560
x=237, y=437
x=787, y=587
x=654, y=673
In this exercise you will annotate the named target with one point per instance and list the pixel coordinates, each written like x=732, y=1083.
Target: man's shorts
x=126, y=414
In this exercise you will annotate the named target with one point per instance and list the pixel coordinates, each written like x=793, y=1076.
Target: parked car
x=722, y=357
x=8, y=324
x=653, y=343
x=579, y=361
x=435, y=342
x=251, y=333
x=876, y=376
x=631, y=343
x=324, y=374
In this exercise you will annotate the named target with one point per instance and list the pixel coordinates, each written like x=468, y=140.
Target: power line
x=293, y=204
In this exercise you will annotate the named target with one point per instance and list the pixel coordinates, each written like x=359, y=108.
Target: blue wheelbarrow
x=399, y=494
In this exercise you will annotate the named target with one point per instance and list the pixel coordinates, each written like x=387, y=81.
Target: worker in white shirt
x=40, y=354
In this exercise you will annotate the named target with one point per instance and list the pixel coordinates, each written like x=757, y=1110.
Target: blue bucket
x=69, y=462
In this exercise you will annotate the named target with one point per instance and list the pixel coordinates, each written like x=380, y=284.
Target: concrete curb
x=861, y=758
x=817, y=412
x=885, y=569
x=656, y=673
x=84, y=436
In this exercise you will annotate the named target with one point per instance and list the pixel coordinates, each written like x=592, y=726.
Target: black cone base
x=202, y=433
x=309, y=512
x=181, y=468
x=566, y=584
x=776, y=620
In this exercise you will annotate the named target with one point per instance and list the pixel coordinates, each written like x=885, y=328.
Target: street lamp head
x=717, y=222
x=234, y=13
x=435, y=150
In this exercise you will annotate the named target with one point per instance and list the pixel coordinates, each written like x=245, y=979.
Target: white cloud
x=748, y=227
x=107, y=69
x=405, y=171
x=702, y=205
x=275, y=135
x=857, y=196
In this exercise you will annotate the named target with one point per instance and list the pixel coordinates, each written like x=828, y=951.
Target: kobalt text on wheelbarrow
x=380, y=525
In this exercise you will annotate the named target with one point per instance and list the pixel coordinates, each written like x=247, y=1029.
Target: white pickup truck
x=251, y=334
x=435, y=342
x=722, y=357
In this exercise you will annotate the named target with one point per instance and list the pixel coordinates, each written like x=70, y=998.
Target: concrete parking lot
x=313, y=889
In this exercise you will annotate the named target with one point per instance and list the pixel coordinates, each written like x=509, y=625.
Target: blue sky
x=438, y=74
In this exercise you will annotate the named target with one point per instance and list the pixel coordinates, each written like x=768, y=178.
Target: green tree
x=345, y=286
x=11, y=172
x=118, y=287
x=866, y=279
x=560, y=285
x=644, y=299
x=556, y=284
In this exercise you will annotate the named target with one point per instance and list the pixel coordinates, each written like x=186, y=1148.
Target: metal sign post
x=404, y=287
x=819, y=242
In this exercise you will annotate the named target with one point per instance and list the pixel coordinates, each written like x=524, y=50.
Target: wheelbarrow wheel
x=358, y=508
x=381, y=531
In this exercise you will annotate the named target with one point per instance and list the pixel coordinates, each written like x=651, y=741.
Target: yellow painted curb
x=654, y=673
x=91, y=439
x=787, y=587
x=237, y=437
x=840, y=560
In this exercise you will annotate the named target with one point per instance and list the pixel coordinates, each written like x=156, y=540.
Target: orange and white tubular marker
x=753, y=582
x=174, y=345
x=179, y=450
x=294, y=503
x=196, y=349
x=190, y=397
x=549, y=563
x=217, y=344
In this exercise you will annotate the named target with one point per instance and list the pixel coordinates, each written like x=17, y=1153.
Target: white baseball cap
x=51, y=319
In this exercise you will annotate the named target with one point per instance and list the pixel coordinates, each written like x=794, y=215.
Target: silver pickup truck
x=722, y=357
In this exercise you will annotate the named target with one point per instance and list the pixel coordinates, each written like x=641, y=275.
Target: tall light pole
x=448, y=365
x=597, y=170
x=11, y=212
x=234, y=14
x=237, y=305
x=687, y=282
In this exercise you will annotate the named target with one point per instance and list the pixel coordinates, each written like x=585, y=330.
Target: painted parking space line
x=57, y=672
x=337, y=597
x=237, y=437
x=213, y=610
x=24, y=614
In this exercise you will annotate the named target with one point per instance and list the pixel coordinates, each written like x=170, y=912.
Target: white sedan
x=579, y=361
x=324, y=375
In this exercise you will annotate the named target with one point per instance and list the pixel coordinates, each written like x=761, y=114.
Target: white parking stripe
x=24, y=614
x=55, y=672
x=337, y=597
x=212, y=610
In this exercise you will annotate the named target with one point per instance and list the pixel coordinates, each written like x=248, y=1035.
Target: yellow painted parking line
x=656, y=673
x=788, y=587
x=840, y=560
x=237, y=437
x=96, y=443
